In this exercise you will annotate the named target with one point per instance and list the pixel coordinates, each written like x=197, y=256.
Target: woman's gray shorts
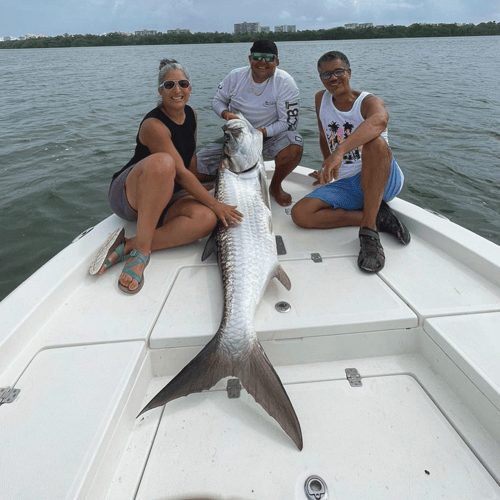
x=210, y=156
x=117, y=197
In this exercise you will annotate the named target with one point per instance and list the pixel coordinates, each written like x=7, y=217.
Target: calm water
x=68, y=120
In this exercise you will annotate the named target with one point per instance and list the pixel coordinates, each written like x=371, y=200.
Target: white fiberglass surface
x=58, y=428
x=332, y=296
x=384, y=440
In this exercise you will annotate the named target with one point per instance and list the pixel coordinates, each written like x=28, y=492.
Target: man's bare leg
x=285, y=161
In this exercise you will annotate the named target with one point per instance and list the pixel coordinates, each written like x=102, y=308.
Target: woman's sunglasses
x=269, y=58
x=170, y=84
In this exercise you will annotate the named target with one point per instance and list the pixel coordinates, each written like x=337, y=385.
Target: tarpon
x=247, y=258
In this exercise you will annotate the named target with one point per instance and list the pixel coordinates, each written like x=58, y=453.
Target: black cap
x=264, y=46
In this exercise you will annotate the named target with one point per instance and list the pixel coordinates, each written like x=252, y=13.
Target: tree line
x=340, y=33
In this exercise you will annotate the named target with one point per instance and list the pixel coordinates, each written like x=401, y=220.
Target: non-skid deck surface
x=385, y=440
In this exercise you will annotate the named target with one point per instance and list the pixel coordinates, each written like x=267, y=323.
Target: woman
x=164, y=162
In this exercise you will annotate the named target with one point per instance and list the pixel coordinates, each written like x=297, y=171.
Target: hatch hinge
x=316, y=257
x=8, y=394
x=233, y=388
x=353, y=377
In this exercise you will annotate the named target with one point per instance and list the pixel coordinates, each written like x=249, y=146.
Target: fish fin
x=263, y=186
x=283, y=277
x=200, y=374
x=259, y=378
x=210, y=246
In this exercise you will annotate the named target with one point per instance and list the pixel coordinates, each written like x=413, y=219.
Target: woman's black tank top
x=183, y=138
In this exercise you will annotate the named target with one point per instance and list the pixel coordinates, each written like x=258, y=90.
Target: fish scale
x=248, y=250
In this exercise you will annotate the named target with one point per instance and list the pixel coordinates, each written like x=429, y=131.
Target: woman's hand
x=227, y=214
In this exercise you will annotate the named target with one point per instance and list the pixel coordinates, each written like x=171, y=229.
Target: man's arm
x=222, y=98
x=376, y=117
x=288, y=108
x=376, y=120
x=323, y=144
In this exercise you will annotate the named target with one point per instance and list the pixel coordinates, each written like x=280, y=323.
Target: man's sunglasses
x=170, y=84
x=269, y=58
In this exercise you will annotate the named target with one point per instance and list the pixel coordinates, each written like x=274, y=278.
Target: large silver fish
x=247, y=257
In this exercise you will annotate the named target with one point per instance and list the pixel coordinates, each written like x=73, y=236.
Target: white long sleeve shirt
x=273, y=104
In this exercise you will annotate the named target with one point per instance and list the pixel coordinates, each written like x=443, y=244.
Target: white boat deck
x=423, y=334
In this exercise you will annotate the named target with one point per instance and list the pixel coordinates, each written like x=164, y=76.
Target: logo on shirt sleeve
x=292, y=112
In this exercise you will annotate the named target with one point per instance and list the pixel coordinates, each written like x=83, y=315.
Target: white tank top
x=338, y=126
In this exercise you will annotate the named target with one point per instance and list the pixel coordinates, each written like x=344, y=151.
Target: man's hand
x=227, y=115
x=329, y=169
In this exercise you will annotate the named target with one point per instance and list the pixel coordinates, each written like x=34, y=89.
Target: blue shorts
x=348, y=195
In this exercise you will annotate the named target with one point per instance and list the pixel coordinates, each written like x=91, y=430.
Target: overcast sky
x=56, y=17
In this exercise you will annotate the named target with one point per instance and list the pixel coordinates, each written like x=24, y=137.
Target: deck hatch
x=389, y=429
x=365, y=305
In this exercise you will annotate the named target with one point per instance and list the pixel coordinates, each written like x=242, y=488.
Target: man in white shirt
x=354, y=142
x=268, y=98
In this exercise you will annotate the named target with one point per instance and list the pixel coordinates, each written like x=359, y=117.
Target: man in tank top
x=358, y=159
x=268, y=98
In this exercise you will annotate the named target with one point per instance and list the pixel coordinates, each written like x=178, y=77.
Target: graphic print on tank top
x=336, y=134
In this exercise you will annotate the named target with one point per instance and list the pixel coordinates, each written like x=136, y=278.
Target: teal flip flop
x=139, y=259
x=120, y=250
x=114, y=243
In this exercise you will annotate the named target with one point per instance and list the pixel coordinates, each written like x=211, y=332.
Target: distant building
x=178, y=31
x=285, y=28
x=146, y=32
x=353, y=26
x=247, y=28
x=265, y=29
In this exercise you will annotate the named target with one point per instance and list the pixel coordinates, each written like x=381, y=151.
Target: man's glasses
x=170, y=84
x=269, y=58
x=336, y=73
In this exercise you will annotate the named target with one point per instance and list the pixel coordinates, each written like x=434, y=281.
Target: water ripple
x=61, y=142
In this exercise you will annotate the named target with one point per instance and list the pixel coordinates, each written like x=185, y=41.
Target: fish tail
x=200, y=374
x=259, y=378
x=256, y=373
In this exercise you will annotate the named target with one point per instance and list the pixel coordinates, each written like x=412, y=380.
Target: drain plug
x=283, y=307
x=315, y=488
